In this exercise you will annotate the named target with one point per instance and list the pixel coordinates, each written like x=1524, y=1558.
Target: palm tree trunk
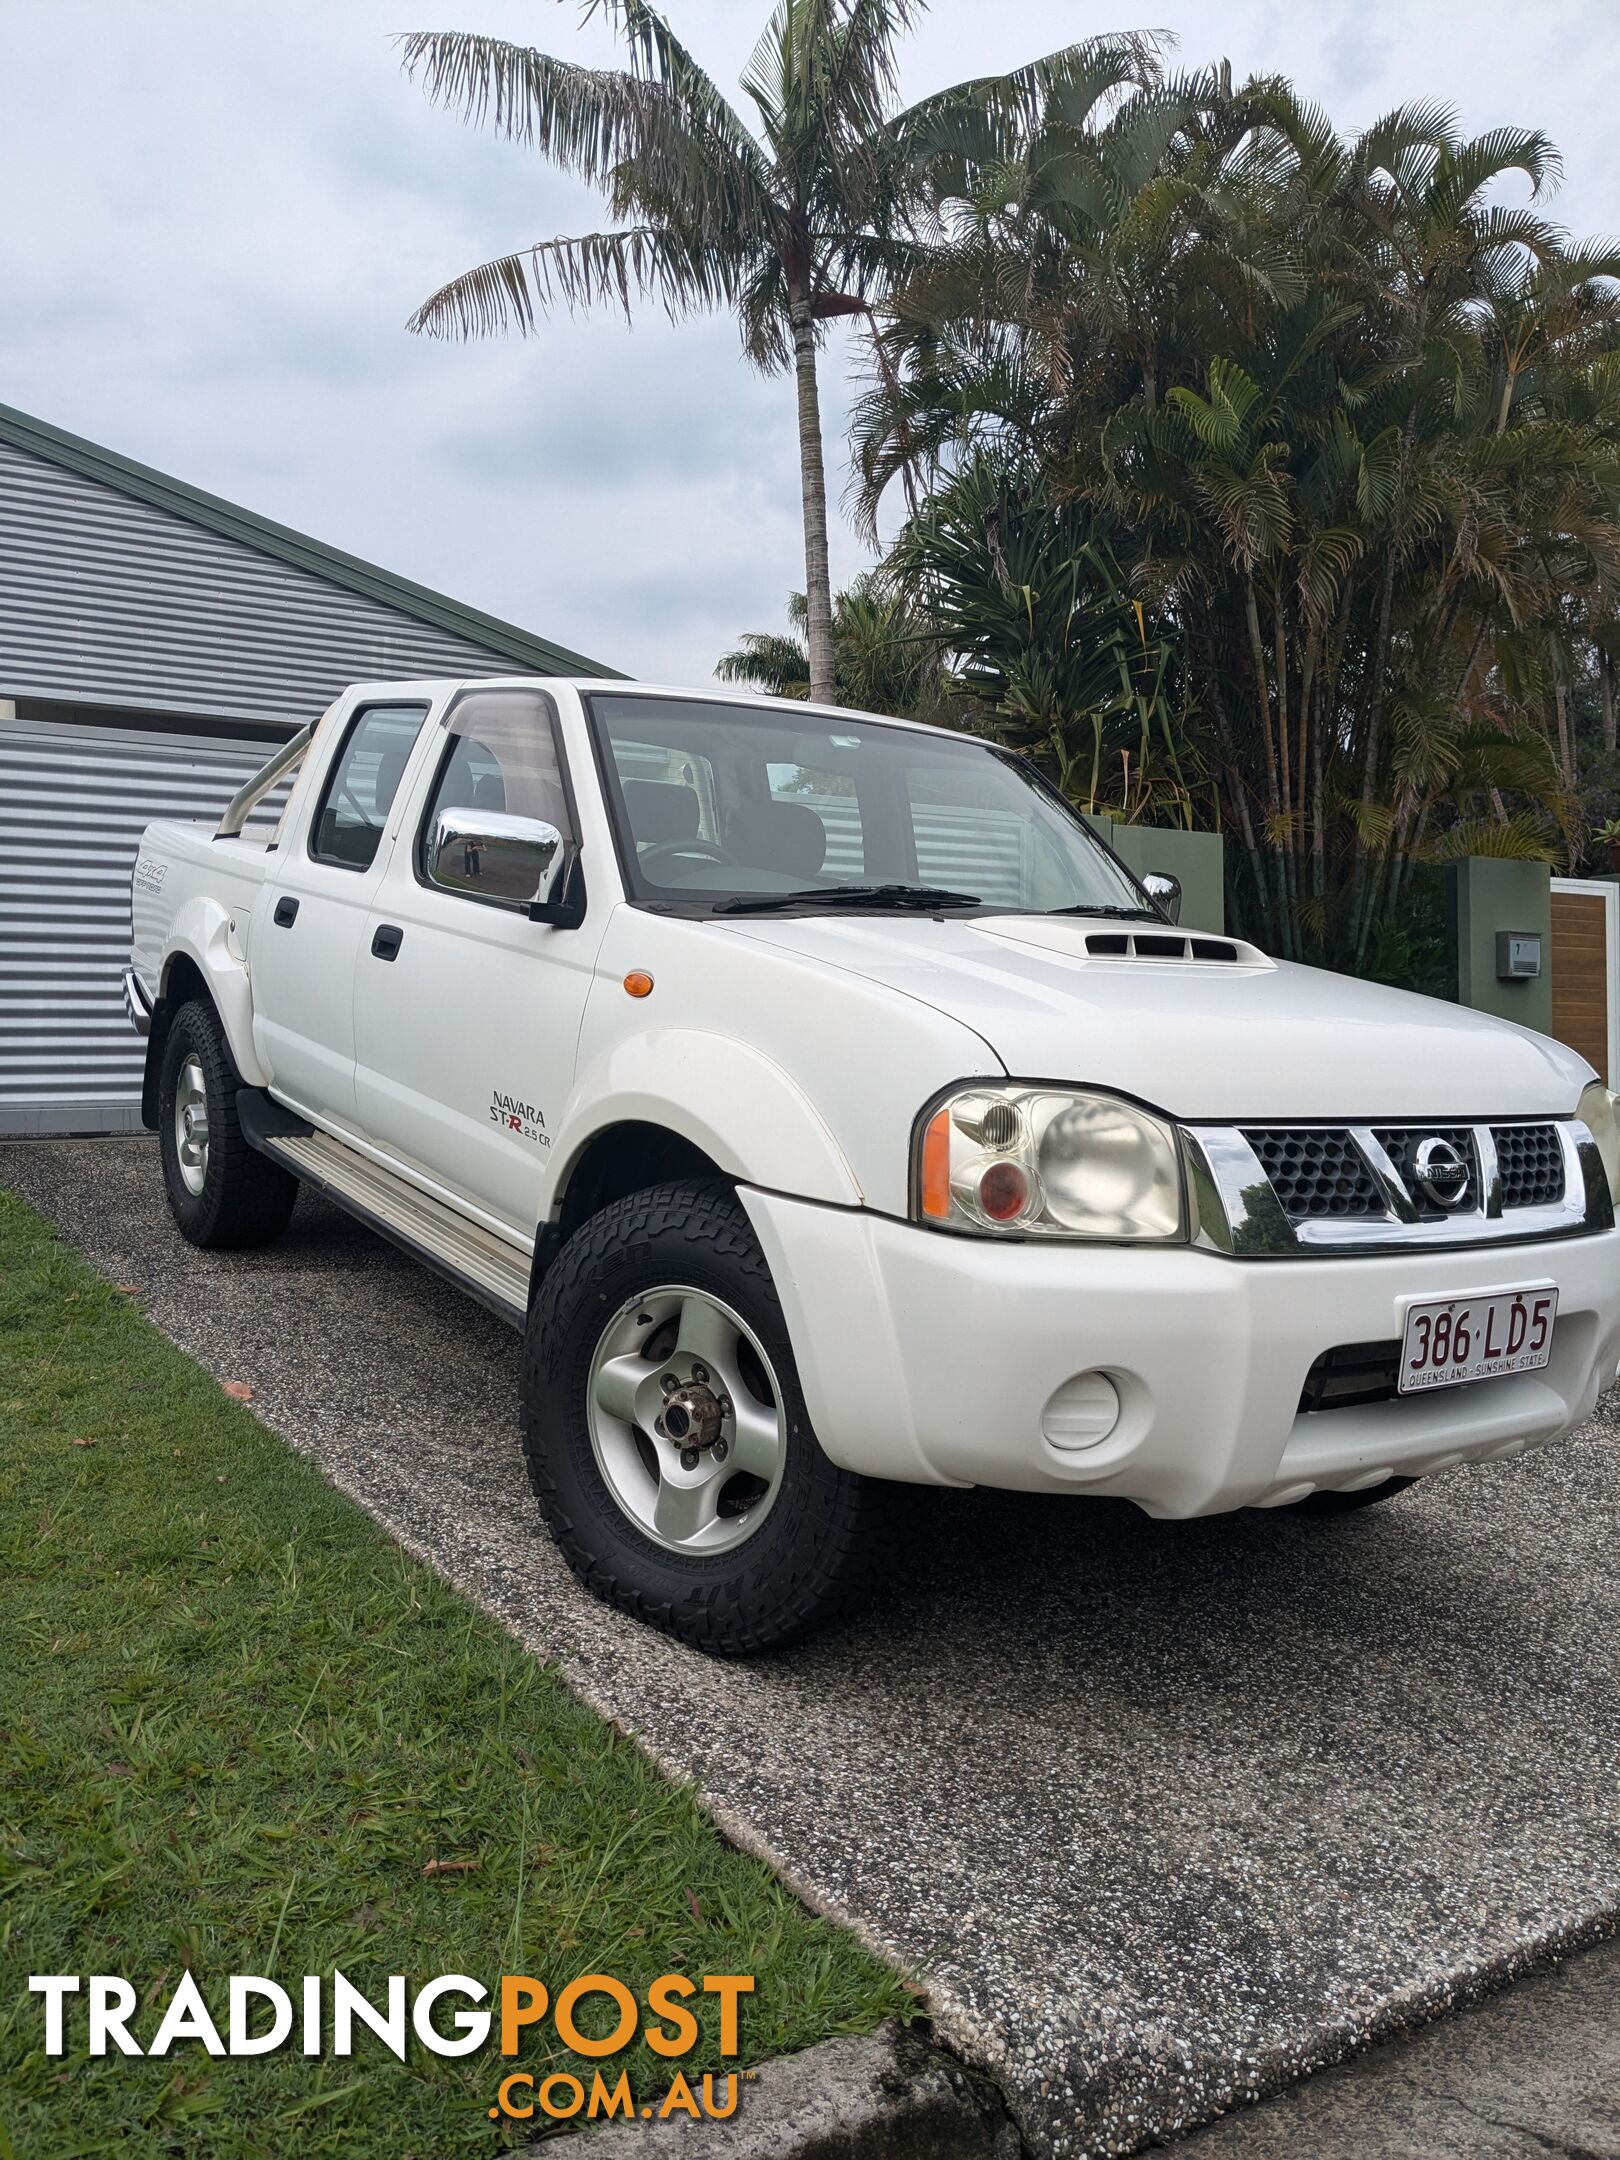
x=1566, y=744
x=813, y=481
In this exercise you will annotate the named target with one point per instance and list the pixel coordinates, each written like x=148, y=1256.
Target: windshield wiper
x=1119, y=914
x=848, y=896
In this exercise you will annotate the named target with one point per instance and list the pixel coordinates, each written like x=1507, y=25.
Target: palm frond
x=511, y=292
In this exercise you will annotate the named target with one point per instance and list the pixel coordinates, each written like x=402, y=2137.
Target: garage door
x=73, y=803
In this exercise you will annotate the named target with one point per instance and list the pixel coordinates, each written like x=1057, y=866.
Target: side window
x=361, y=786
x=501, y=772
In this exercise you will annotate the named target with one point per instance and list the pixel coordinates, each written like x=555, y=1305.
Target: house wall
x=107, y=600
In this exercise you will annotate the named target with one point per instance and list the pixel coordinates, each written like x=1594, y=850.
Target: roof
x=58, y=447
x=690, y=693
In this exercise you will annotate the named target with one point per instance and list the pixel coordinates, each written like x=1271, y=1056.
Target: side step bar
x=485, y=1266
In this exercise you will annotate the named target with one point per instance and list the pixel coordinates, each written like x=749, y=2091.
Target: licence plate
x=1449, y=1340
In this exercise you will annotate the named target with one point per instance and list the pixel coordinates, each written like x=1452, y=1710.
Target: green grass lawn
x=236, y=1726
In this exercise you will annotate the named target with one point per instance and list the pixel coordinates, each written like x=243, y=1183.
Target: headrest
x=661, y=810
x=390, y=772
x=778, y=836
x=489, y=792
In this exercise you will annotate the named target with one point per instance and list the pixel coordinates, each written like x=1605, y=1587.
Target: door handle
x=286, y=912
x=386, y=941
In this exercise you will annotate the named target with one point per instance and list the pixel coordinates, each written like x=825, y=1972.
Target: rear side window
x=362, y=784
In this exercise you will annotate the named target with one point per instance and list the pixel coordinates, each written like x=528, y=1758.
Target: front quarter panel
x=723, y=1096
x=792, y=1074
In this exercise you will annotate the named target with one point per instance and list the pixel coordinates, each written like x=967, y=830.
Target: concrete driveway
x=1164, y=1814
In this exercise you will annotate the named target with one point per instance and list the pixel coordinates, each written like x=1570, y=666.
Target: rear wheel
x=667, y=1437
x=222, y=1193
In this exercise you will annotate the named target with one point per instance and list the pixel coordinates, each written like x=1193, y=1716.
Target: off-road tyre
x=245, y=1198
x=1346, y=1503
x=822, y=1540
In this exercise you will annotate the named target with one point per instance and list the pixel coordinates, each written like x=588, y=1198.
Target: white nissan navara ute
x=829, y=1107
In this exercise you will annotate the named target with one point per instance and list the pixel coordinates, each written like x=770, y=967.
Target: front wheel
x=667, y=1437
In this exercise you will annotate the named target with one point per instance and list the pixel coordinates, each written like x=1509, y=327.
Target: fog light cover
x=1044, y=1162
x=1082, y=1413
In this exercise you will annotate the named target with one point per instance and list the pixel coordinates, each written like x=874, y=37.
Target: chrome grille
x=1401, y=1144
x=1316, y=1171
x=1295, y=1189
x=1532, y=1164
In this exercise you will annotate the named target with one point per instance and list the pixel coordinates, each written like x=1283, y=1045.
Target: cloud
x=220, y=213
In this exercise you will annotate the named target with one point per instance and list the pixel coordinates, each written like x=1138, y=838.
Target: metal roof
x=73, y=452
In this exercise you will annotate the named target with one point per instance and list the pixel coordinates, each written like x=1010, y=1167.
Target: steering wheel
x=707, y=850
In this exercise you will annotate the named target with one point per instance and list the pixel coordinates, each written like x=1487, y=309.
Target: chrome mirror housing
x=1165, y=893
x=492, y=855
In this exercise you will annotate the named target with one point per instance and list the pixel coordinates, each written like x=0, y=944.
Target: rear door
x=467, y=1015
x=320, y=893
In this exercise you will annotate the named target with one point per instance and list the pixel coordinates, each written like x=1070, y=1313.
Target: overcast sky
x=217, y=215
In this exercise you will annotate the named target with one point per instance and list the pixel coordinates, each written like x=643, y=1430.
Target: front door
x=466, y=1013
x=307, y=927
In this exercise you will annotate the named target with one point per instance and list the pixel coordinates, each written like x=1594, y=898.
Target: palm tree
x=1351, y=425
x=887, y=659
x=791, y=225
x=886, y=655
x=1025, y=598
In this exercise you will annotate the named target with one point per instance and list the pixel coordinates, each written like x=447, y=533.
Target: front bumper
x=933, y=1359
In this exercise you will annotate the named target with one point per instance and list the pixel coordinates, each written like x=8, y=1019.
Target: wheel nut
x=700, y=1373
x=668, y=1382
x=722, y=1449
x=725, y=1406
x=689, y=1458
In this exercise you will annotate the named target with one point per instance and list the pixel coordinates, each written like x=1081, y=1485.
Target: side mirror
x=491, y=855
x=1165, y=893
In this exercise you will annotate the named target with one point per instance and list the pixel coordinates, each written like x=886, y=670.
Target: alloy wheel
x=686, y=1420
x=191, y=1125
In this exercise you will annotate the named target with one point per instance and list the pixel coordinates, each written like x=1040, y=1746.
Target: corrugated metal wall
x=105, y=600
x=109, y=601
x=73, y=805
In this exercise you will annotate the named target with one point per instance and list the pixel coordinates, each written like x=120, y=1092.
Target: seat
x=390, y=772
x=778, y=836
x=661, y=811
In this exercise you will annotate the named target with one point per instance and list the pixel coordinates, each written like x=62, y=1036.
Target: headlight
x=1596, y=1111
x=1040, y=1162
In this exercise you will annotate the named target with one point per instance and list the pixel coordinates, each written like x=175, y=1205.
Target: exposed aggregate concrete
x=1165, y=1814
x=1530, y=2073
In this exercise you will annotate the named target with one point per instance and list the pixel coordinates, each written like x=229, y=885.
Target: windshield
x=736, y=808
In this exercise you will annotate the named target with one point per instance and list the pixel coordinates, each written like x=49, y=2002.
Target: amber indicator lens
x=936, y=1167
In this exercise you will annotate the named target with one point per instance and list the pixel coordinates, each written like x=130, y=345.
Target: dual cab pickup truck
x=829, y=1107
